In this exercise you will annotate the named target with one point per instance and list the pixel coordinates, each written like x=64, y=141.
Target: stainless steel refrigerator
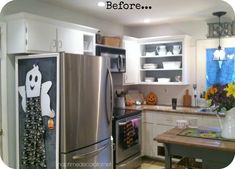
x=86, y=112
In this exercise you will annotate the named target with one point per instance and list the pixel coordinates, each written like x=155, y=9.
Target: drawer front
x=149, y=116
x=194, y=120
x=209, y=121
x=168, y=118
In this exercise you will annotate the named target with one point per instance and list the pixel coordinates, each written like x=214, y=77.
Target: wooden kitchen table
x=215, y=154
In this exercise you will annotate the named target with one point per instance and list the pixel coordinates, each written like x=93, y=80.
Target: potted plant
x=222, y=99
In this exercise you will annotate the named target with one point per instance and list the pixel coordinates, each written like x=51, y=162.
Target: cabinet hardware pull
x=90, y=154
x=60, y=44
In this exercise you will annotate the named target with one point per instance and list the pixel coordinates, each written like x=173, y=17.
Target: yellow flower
x=230, y=90
x=207, y=95
x=213, y=90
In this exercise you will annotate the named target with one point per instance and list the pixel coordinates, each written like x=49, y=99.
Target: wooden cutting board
x=187, y=99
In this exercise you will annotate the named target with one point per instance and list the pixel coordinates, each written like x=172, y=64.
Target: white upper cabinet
x=132, y=60
x=29, y=33
x=40, y=37
x=27, y=36
x=70, y=40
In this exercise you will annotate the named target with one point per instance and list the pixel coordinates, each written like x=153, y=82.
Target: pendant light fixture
x=219, y=53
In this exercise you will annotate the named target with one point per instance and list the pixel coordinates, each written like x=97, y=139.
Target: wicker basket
x=112, y=41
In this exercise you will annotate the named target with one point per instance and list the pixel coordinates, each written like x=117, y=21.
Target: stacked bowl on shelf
x=149, y=66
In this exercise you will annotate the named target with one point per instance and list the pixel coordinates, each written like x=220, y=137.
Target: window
x=220, y=72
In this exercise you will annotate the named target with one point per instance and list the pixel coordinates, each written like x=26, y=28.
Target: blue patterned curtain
x=220, y=72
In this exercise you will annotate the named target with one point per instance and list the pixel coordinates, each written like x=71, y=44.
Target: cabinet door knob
x=1, y=132
x=53, y=44
x=60, y=43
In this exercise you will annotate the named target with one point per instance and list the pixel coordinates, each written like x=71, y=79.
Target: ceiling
x=163, y=11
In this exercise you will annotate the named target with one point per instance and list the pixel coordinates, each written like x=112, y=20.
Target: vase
x=228, y=126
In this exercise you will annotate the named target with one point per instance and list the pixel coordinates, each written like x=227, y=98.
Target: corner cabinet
x=28, y=36
x=163, y=60
x=29, y=33
x=132, y=60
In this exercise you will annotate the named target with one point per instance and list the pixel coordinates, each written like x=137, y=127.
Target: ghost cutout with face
x=34, y=88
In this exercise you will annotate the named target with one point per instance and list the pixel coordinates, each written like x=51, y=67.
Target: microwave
x=117, y=57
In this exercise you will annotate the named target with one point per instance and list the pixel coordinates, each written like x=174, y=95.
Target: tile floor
x=151, y=164
x=148, y=163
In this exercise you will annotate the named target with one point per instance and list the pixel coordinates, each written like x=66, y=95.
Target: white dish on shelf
x=169, y=53
x=149, y=79
x=163, y=80
x=171, y=65
x=150, y=54
x=150, y=66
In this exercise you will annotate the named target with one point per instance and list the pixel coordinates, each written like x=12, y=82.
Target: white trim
x=58, y=113
x=57, y=55
x=25, y=15
x=4, y=93
x=17, y=114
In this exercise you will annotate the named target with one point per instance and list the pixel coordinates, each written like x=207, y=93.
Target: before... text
x=126, y=6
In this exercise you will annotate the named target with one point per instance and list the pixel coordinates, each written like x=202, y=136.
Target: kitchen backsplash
x=164, y=92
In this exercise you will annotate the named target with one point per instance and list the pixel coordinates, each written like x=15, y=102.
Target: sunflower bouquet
x=221, y=96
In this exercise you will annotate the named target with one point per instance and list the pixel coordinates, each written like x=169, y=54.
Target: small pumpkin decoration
x=151, y=98
x=50, y=122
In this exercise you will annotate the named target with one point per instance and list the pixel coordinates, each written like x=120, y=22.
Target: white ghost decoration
x=34, y=88
x=33, y=82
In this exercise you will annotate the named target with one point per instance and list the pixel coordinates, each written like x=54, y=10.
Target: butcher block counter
x=215, y=154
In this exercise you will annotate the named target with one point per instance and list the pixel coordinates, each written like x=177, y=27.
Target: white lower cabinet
x=211, y=121
x=194, y=120
x=147, y=139
x=156, y=122
x=158, y=147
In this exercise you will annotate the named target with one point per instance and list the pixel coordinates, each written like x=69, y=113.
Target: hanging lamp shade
x=219, y=53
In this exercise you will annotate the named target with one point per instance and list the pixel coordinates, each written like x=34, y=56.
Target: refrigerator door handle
x=112, y=97
x=121, y=60
x=90, y=154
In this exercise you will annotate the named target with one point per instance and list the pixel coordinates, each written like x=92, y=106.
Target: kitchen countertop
x=164, y=108
x=172, y=137
x=214, y=154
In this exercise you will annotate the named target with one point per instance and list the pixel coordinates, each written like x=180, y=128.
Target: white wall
x=196, y=29
x=44, y=9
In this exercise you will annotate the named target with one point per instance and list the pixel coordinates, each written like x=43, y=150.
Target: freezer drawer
x=93, y=157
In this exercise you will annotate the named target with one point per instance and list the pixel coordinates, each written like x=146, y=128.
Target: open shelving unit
x=89, y=44
x=150, y=54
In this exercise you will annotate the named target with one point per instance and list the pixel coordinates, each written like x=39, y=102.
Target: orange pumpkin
x=151, y=98
x=50, y=123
